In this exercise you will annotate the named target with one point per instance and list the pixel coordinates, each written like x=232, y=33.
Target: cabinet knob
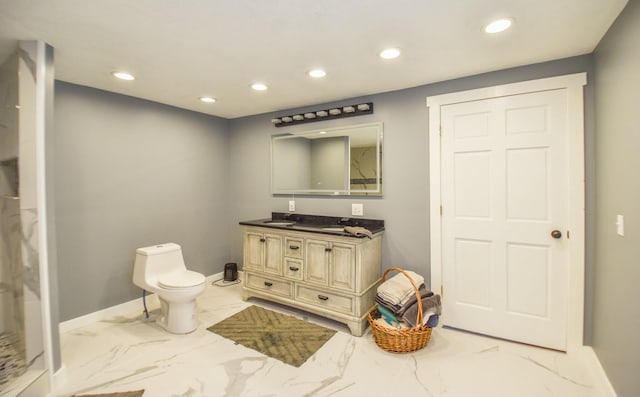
x=294, y=247
x=323, y=298
x=293, y=268
x=327, y=250
x=262, y=240
x=556, y=234
x=268, y=284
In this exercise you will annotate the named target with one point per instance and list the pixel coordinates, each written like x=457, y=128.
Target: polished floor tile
x=129, y=352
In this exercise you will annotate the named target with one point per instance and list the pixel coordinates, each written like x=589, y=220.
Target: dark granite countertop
x=332, y=225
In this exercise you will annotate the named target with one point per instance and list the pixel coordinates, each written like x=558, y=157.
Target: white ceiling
x=181, y=50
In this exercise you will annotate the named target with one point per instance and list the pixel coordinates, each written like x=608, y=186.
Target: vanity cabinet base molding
x=331, y=276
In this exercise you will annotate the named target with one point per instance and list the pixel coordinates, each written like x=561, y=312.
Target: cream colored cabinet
x=263, y=252
x=332, y=276
x=330, y=263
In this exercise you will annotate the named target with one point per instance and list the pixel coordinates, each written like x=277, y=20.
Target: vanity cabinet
x=330, y=264
x=263, y=252
x=330, y=275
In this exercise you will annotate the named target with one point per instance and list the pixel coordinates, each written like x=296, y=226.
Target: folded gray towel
x=430, y=304
x=424, y=293
x=399, y=309
x=358, y=231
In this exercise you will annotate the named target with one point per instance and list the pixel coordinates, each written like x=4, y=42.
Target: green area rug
x=280, y=336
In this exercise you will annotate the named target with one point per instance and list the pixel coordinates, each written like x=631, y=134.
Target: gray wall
x=131, y=173
x=617, y=265
x=405, y=204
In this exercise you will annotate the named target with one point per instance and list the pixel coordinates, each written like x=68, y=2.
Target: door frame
x=573, y=83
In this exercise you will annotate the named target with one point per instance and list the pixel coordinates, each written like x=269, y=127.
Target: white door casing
x=499, y=174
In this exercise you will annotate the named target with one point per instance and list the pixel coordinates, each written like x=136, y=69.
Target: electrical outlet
x=292, y=205
x=357, y=209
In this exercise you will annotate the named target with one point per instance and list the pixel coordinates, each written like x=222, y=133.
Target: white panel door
x=504, y=186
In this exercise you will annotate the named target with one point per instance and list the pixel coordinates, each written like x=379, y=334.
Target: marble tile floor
x=129, y=352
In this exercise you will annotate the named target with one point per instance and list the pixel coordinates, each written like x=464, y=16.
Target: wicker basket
x=400, y=340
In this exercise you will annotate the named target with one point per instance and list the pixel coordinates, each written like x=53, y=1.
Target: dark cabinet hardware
x=294, y=247
x=268, y=284
x=327, y=250
x=293, y=268
x=262, y=240
x=323, y=298
x=556, y=234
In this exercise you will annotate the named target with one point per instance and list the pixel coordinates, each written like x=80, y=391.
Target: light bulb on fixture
x=337, y=112
x=207, y=99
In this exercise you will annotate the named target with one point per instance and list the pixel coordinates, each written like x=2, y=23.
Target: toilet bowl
x=160, y=269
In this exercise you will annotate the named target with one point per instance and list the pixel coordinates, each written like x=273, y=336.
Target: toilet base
x=178, y=318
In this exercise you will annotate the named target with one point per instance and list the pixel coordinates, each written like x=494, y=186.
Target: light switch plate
x=357, y=210
x=620, y=225
x=292, y=205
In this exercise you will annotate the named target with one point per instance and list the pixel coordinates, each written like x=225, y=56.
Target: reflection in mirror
x=334, y=161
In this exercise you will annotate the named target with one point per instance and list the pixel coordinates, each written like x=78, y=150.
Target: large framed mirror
x=340, y=161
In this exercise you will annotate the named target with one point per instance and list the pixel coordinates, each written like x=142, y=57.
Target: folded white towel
x=398, y=289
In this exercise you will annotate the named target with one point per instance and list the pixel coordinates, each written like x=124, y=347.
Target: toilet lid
x=181, y=280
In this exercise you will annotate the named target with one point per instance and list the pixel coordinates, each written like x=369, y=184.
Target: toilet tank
x=154, y=261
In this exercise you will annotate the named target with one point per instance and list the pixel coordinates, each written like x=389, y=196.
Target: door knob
x=556, y=234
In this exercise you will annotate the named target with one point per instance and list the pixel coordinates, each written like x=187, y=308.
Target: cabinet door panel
x=273, y=254
x=316, y=268
x=253, y=251
x=343, y=266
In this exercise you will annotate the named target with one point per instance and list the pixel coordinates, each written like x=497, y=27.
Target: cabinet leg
x=357, y=327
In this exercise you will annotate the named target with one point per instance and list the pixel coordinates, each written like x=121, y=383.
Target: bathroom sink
x=333, y=229
x=279, y=223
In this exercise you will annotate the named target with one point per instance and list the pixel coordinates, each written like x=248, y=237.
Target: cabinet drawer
x=274, y=286
x=293, y=268
x=293, y=247
x=328, y=300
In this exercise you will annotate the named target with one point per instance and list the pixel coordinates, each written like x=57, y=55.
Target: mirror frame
x=341, y=131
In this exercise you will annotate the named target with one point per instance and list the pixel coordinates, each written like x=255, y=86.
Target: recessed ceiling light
x=123, y=75
x=259, y=86
x=207, y=99
x=498, y=25
x=389, y=53
x=317, y=73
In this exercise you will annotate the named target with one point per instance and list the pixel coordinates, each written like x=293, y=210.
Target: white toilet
x=160, y=269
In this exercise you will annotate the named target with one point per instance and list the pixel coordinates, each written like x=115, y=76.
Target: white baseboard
x=59, y=377
x=109, y=312
x=600, y=374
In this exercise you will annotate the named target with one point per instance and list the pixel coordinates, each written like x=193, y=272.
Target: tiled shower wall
x=21, y=343
x=12, y=336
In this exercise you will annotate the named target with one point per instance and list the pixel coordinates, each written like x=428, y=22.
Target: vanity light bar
x=326, y=114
